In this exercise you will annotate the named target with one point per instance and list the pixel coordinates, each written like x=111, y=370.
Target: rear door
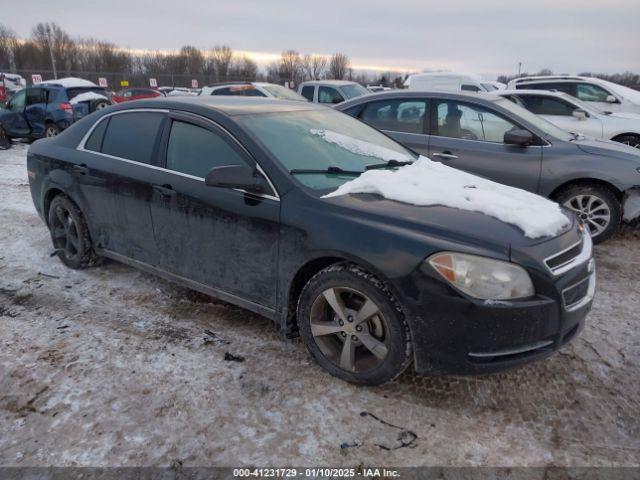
x=222, y=238
x=116, y=181
x=35, y=110
x=470, y=137
x=404, y=119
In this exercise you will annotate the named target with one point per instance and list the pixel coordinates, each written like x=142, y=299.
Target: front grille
x=573, y=295
x=569, y=258
x=564, y=258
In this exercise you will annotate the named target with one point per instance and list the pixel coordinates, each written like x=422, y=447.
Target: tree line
x=52, y=51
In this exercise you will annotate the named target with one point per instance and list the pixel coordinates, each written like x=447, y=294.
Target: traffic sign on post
x=36, y=78
x=194, y=83
x=124, y=83
x=153, y=83
x=102, y=82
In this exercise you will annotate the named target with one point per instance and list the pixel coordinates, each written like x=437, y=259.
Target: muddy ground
x=110, y=366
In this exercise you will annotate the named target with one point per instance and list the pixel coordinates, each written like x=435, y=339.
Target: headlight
x=482, y=277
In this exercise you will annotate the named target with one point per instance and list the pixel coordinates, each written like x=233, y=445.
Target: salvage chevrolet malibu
x=376, y=256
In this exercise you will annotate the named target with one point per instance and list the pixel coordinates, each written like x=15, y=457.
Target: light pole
x=53, y=60
x=519, y=68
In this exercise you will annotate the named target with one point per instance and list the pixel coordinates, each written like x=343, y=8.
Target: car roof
x=336, y=83
x=472, y=96
x=530, y=91
x=231, y=105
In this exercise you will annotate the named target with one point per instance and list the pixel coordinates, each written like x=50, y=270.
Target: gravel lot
x=110, y=366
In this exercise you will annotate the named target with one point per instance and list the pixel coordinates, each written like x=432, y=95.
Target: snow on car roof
x=70, y=82
x=87, y=96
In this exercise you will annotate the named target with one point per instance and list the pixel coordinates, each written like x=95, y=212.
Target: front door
x=13, y=119
x=221, y=238
x=471, y=138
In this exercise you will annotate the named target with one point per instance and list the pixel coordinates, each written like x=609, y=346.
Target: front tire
x=597, y=206
x=353, y=327
x=70, y=234
x=631, y=140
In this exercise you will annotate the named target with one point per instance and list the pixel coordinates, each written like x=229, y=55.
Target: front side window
x=321, y=139
x=470, y=122
x=132, y=136
x=36, y=96
x=18, y=101
x=396, y=115
x=542, y=105
x=196, y=150
x=588, y=92
x=329, y=95
x=307, y=92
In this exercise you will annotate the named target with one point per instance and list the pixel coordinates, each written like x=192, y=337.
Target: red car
x=129, y=94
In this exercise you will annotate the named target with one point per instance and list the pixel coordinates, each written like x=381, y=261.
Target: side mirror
x=518, y=137
x=611, y=99
x=236, y=176
x=580, y=114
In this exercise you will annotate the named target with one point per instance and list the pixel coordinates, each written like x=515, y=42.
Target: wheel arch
x=624, y=134
x=586, y=181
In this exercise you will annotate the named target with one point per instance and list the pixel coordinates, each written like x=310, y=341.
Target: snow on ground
x=87, y=96
x=111, y=366
x=425, y=182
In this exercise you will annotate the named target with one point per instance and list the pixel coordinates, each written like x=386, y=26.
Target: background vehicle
x=252, y=89
x=129, y=94
x=448, y=82
x=47, y=108
x=10, y=83
x=576, y=116
x=497, y=139
x=365, y=310
x=602, y=94
x=331, y=91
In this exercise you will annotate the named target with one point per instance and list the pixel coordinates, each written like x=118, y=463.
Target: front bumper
x=631, y=204
x=457, y=335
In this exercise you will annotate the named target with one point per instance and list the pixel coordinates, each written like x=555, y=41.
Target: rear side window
x=307, y=92
x=547, y=105
x=195, y=150
x=36, y=96
x=94, y=142
x=132, y=135
x=565, y=87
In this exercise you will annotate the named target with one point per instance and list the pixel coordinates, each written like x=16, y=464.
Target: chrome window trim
x=83, y=141
x=547, y=143
x=584, y=255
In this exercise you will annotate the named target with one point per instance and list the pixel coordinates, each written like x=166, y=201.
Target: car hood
x=608, y=148
x=624, y=116
x=440, y=222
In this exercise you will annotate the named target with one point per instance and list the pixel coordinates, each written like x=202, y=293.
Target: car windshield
x=324, y=141
x=284, y=93
x=540, y=123
x=353, y=90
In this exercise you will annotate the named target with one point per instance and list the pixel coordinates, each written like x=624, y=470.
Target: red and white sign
x=153, y=82
x=102, y=82
x=194, y=83
x=36, y=78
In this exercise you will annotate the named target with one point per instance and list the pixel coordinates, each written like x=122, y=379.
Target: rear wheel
x=100, y=104
x=70, y=234
x=631, y=140
x=597, y=206
x=353, y=327
x=51, y=130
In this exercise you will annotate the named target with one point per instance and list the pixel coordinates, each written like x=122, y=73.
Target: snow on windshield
x=361, y=147
x=426, y=183
x=87, y=96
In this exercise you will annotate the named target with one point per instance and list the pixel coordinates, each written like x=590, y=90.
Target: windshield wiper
x=334, y=170
x=389, y=164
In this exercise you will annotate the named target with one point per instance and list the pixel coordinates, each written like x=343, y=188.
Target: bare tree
x=290, y=66
x=220, y=58
x=338, y=66
x=314, y=66
x=243, y=68
x=8, y=44
x=54, y=43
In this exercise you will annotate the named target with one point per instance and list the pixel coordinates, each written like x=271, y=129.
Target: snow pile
x=361, y=147
x=87, y=97
x=70, y=82
x=431, y=183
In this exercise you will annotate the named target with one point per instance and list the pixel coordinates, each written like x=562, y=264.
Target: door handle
x=446, y=155
x=165, y=190
x=81, y=169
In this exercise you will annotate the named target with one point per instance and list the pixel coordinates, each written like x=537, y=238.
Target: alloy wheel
x=349, y=329
x=50, y=132
x=101, y=105
x=593, y=211
x=65, y=233
x=635, y=143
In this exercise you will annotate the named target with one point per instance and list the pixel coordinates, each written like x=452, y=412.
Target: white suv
x=604, y=95
x=252, y=89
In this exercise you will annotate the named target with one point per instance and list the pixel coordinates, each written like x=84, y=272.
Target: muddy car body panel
x=259, y=250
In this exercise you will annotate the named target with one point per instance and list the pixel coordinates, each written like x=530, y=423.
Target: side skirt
x=212, y=292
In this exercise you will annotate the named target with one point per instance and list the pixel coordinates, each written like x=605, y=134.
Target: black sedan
x=226, y=196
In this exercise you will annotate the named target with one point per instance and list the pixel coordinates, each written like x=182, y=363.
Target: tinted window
x=132, y=135
x=565, y=87
x=396, y=115
x=307, y=92
x=591, y=93
x=195, y=150
x=329, y=95
x=471, y=122
x=547, y=105
x=94, y=142
x=35, y=96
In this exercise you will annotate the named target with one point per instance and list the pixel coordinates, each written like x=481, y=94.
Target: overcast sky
x=483, y=36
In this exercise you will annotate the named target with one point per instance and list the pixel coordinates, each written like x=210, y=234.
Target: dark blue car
x=46, y=109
